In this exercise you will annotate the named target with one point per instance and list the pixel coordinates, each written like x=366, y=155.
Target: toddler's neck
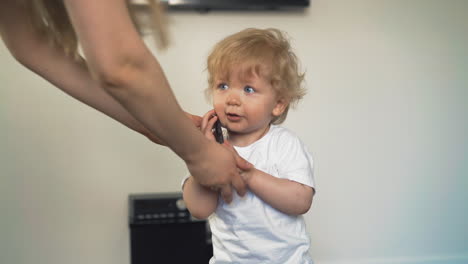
x=246, y=139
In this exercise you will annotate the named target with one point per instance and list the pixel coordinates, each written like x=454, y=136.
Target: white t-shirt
x=250, y=231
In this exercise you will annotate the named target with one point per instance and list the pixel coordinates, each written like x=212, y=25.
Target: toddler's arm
x=287, y=196
x=200, y=201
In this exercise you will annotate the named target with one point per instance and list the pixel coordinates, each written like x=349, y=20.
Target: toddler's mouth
x=233, y=116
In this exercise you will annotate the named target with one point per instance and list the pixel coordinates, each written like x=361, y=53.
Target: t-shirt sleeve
x=294, y=160
x=184, y=179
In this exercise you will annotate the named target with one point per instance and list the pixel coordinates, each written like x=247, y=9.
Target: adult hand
x=217, y=167
x=223, y=158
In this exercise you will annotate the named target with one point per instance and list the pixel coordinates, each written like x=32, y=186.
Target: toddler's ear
x=280, y=106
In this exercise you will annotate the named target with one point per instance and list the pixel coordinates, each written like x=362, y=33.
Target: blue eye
x=249, y=89
x=223, y=86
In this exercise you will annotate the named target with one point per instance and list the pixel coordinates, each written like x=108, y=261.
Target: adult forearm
x=145, y=93
x=74, y=79
x=287, y=196
x=130, y=73
x=34, y=51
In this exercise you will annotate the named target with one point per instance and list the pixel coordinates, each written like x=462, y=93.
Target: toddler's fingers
x=209, y=127
x=205, y=119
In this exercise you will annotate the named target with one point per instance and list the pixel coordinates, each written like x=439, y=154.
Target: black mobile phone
x=218, y=132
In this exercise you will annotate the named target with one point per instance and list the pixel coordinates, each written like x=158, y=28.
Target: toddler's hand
x=207, y=124
x=220, y=183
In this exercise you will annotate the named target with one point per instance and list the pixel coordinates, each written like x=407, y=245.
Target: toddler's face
x=246, y=105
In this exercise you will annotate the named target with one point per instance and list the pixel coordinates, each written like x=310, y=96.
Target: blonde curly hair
x=265, y=52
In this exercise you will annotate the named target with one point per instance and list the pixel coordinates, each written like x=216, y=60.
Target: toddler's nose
x=233, y=99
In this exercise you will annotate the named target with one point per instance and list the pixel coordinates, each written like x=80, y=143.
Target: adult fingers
x=242, y=163
x=226, y=193
x=239, y=184
x=228, y=145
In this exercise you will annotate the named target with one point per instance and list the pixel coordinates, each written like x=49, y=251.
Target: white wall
x=385, y=118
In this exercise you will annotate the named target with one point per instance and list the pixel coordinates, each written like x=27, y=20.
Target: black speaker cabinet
x=163, y=231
